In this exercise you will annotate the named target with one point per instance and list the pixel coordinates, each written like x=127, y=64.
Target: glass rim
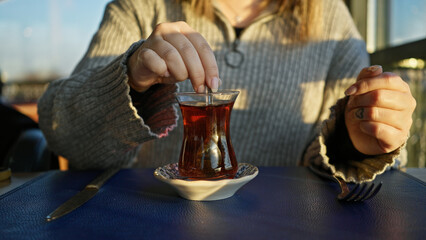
x=224, y=92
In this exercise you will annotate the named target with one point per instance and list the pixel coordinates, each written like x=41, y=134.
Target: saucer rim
x=208, y=182
x=195, y=190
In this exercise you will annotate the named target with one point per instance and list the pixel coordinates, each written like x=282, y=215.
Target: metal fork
x=360, y=192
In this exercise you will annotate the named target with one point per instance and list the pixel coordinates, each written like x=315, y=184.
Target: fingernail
x=215, y=84
x=351, y=90
x=373, y=68
x=201, y=89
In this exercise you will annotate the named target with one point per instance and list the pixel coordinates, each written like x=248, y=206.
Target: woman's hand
x=172, y=53
x=378, y=113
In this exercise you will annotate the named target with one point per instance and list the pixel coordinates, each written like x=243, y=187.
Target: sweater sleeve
x=89, y=118
x=332, y=148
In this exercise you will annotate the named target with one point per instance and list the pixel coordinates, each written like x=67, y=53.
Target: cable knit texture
x=93, y=118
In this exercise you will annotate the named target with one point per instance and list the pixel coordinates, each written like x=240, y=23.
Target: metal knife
x=83, y=196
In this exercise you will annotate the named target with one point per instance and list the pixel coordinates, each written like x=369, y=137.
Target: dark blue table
x=280, y=203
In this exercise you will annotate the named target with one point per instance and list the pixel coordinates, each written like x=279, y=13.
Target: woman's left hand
x=378, y=112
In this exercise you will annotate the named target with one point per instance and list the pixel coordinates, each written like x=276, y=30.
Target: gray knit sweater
x=286, y=89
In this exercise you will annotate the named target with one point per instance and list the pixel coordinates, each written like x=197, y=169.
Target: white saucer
x=206, y=190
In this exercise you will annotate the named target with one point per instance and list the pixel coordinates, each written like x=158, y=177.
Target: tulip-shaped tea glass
x=207, y=152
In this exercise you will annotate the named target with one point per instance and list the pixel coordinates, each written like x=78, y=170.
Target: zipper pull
x=234, y=58
x=235, y=44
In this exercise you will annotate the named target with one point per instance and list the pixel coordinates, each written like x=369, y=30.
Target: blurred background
x=395, y=34
x=43, y=40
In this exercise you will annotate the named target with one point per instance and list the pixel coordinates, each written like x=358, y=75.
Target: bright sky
x=46, y=36
x=50, y=36
x=408, y=21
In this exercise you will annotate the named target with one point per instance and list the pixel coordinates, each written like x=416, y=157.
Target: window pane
x=45, y=38
x=407, y=21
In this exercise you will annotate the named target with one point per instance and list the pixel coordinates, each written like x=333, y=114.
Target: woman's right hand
x=173, y=53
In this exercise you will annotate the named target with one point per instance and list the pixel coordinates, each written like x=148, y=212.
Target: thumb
x=371, y=71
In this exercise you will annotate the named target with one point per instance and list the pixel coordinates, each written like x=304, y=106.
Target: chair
x=30, y=153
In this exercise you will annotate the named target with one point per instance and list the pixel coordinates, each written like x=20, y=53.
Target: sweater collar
x=268, y=14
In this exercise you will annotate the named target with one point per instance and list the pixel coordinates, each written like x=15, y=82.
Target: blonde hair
x=305, y=12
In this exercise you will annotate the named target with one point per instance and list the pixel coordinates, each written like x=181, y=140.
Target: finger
x=385, y=80
x=153, y=62
x=171, y=57
x=144, y=69
x=396, y=119
x=388, y=137
x=206, y=55
x=190, y=57
x=370, y=72
x=380, y=98
x=364, y=73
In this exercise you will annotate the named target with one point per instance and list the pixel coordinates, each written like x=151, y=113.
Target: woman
x=291, y=60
